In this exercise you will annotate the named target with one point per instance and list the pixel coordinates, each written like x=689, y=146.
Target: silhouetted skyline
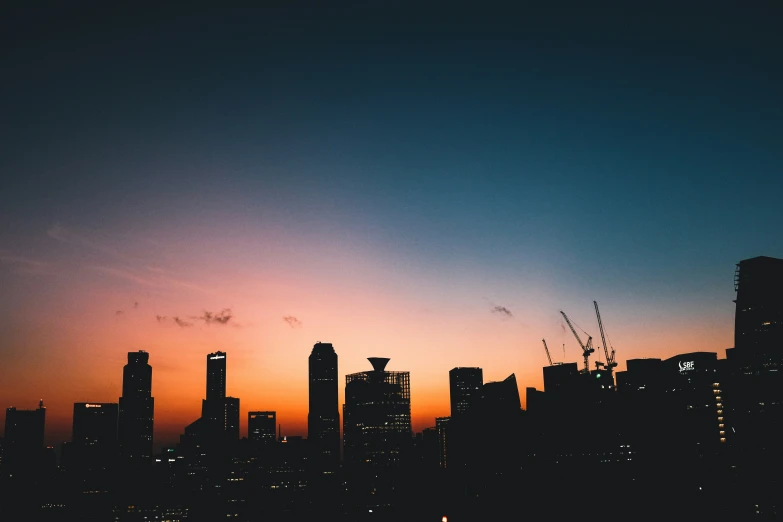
x=429, y=184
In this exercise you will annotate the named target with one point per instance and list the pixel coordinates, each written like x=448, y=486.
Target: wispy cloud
x=25, y=265
x=123, y=273
x=220, y=318
x=67, y=235
x=124, y=266
x=182, y=322
x=223, y=317
x=155, y=279
x=501, y=310
x=292, y=321
x=175, y=319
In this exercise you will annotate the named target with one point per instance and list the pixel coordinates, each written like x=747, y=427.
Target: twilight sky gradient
x=429, y=185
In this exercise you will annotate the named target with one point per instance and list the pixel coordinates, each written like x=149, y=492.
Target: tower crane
x=587, y=348
x=547, y=353
x=610, y=362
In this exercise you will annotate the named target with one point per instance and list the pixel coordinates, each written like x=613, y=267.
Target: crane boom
x=587, y=348
x=609, y=358
x=547, y=352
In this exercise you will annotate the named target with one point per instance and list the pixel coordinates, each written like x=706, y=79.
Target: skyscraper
x=94, y=441
x=262, y=427
x=216, y=375
x=377, y=414
x=464, y=388
x=23, y=442
x=218, y=427
x=377, y=437
x=95, y=424
x=323, y=418
x=758, y=319
x=136, y=408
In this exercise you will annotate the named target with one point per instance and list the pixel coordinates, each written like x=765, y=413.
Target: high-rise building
x=220, y=418
x=23, y=442
x=758, y=318
x=323, y=418
x=136, y=408
x=95, y=424
x=754, y=387
x=262, y=426
x=441, y=425
x=464, y=388
x=377, y=436
x=216, y=375
x=218, y=427
x=377, y=415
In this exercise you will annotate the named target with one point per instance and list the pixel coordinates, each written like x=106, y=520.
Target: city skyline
x=216, y=372
x=432, y=189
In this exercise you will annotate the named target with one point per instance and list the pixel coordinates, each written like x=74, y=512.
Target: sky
x=427, y=184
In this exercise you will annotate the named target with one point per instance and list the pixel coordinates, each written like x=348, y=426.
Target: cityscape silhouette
x=375, y=262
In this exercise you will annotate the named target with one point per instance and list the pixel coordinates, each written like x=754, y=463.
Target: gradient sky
x=429, y=185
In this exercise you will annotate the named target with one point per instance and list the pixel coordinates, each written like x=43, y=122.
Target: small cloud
x=292, y=321
x=223, y=317
x=135, y=304
x=160, y=318
x=182, y=322
x=118, y=312
x=502, y=310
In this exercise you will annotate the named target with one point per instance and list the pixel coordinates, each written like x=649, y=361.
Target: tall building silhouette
x=216, y=375
x=23, y=440
x=464, y=388
x=218, y=427
x=377, y=437
x=95, y=424
x=261, y=427
x=323, y=418
x=758, y=318
x=136, y=408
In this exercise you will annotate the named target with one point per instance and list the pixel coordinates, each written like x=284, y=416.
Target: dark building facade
x=217, y=430
x=23, y=440
x=136, y=409
x=95, y=424
x=754, y=387
x=561, y=378
x=262, y=427
x=94, y=444
x=216, y=375
x=758, y=319
x=377, y=436
x=464, y=388
x=323, y=417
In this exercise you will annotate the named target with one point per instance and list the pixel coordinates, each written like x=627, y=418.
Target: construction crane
x=610, y=363
x=587, y=348
x=547, y=353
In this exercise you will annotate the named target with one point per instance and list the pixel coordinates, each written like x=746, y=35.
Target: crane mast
x=610, y=363
x=547, y=352
x=587, y=348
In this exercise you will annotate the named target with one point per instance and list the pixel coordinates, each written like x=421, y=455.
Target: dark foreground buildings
x=693, y=436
